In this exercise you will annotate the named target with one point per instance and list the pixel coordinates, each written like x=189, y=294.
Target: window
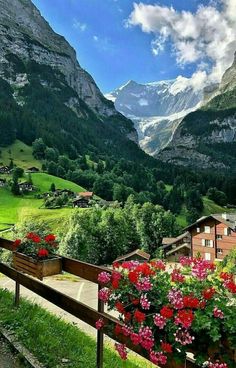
x=227, y=231
x=198, y=230
x=219, y=237
x=207, y=229
x=219, y=250
x=207, y=243
x=207, y=256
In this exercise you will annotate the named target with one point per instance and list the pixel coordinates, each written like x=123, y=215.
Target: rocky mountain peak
x=27, y=35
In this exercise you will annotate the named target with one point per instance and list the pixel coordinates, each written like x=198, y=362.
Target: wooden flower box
x=37, y=268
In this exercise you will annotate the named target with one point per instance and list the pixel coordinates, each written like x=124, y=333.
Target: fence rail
x=70, y=305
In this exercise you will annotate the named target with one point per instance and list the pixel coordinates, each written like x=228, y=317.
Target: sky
x=147, y=41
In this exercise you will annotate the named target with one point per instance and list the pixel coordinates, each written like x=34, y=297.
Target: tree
x=11, y=164
x=29, y=179
x=103, y=187
x=51, y=154
x=17, y=173
x=194, y=200
x=52, y=188
x=15, y=186
x=217, y=196
x=39, y=148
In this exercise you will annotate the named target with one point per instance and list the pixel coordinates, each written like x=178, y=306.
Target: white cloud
x=104, y=44
x=78, y=25
x=206, y=37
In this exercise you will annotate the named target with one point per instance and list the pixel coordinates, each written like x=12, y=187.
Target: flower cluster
x=165, y=312
x=37, y=246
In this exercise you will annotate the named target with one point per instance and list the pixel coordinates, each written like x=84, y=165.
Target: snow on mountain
x=156, y=108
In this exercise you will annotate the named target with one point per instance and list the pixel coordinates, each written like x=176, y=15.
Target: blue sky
x=116, y=41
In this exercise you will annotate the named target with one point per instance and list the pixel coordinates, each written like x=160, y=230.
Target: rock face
x=51, y=96
x=26, y=34
x=156, y=108
x=206, y=138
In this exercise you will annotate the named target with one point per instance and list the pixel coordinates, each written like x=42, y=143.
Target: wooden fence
x=80, y=310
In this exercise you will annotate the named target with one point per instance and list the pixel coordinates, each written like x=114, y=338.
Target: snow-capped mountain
x=156, y=108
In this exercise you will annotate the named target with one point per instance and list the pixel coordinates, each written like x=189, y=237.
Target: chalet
x=213, y=236
x=86, y=195
x=176, y=247
x=26, y=187
x=79, y=202
x=3, y=182
x=5, y=170
x=136, y=255
x=32, y=170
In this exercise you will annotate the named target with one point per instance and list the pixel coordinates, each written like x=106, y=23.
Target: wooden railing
x=80, y=310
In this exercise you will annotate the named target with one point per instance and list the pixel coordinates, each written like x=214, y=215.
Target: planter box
x=37, y=268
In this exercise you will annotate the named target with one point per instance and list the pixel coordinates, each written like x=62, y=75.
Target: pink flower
x=217, y=364
x=157, y=358
x=135, y=338
x=104, y=277
x=121, y=349
x=185, y=261
x=144, y=284
x=126, y=330
x=175, y=297
x=104, y=294
x=146, y=338
x=99, y=324
x=218, y=313
x=183, y=337
x=176, y=276
x=201, y=268
x=159, y=321
x=145, y=304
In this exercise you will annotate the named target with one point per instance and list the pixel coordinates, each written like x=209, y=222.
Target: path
x=7, y=358
x=83, y=291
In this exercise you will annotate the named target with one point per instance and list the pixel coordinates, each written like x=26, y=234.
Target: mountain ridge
x=151, y=106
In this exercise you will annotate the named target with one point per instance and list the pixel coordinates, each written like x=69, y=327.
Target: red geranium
x=139, y=316
x=119, y=306
x=185, y=318
x=167, y=348
x=133, y=277
x=50, y=238
x=16, y=243
x=190, y=302
x=43, y=253
x=208, y=293
x=166, y=312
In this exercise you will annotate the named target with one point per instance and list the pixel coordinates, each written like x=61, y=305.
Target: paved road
x=83, y=291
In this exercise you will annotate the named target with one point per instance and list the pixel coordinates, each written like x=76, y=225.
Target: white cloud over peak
x=206, y=37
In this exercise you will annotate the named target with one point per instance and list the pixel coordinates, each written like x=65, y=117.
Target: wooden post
x=17, y=294
x=100, y=336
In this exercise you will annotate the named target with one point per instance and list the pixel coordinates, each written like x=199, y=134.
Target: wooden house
x=176, y=247
x=213, y=236
x=86, y=195
x=81, y=202
x=26, y=187
x=32, y=169
x=136, y=255
x=3, y=183
x=5, y=170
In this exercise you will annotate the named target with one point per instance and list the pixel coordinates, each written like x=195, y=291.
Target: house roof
x=138, y=252
x=85, y=194
x=175, y=240
x=176, y=249
x=229, y=219
x=166, y=241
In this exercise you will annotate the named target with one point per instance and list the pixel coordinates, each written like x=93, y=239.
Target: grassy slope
x=21, y=155
x=57, y=339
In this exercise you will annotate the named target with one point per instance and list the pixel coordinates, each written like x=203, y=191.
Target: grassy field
x=51, y=339
x=15, y=208
x=20, y=153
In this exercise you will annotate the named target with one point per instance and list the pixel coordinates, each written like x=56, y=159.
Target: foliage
x=100, y=235
x=217, y=196
x=169, y=313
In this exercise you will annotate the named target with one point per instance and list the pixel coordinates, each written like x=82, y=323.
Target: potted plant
x=36, y=255
x=168, y=313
